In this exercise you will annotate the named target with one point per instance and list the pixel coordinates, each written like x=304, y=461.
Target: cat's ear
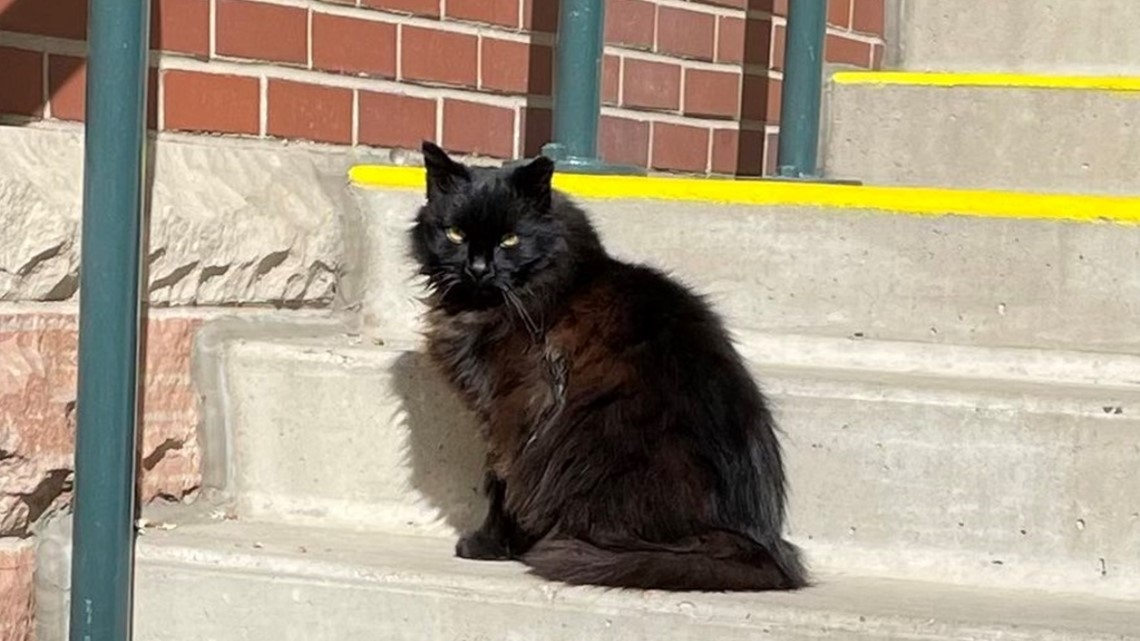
x=532, y=180
x=444, y=175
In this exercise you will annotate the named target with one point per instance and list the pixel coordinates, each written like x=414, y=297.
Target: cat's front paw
x=479, y=546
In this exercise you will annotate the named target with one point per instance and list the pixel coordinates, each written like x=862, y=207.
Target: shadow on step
x=444, y=451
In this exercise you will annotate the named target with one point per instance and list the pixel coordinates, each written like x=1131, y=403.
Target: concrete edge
x=208, y=367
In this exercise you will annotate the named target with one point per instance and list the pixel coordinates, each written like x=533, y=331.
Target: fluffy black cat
x=627, y=444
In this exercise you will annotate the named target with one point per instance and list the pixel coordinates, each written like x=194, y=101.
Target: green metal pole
x=578, y=91
x=114, y=164
x=803, y=81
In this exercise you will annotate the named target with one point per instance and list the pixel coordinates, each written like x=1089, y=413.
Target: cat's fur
x=627, y=444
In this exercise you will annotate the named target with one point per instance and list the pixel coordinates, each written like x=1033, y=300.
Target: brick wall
x=688, y=85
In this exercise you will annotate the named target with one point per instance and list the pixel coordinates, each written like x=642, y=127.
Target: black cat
x=627, y=444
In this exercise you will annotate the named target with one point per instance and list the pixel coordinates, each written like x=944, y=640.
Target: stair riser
x=965, y=281
x=889, y=477
x=1075, y=36
x=1080, y=141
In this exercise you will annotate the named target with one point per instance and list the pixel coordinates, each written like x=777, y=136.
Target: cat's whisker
x=520, y=308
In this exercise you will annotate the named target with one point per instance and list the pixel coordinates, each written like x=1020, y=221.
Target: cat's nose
x=478, y=268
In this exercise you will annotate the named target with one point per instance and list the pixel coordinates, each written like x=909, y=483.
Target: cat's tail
x=714, y=562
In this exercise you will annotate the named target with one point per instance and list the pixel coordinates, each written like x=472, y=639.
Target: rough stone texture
x=1051, y=36
x=37, y=418
x=17, y=597
x=985, y=137
x=819, y=271
x=232, y=222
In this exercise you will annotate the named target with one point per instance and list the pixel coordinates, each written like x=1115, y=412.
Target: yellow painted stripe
x=1015, y=80
x=922, y=201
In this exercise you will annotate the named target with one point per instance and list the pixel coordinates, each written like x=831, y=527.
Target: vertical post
x=803, y=81
x=114, y=164
x=578, y=90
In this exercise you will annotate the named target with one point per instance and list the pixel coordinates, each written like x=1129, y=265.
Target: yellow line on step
x=1010, y=80
x=920, y=201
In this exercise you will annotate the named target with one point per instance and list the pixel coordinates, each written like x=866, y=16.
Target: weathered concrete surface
x=17, y=596
x=985, y=137
x=1048, y=36
x=949, y=280
x=37, y=418
x=234, y=581
x=233, y=223
x=1004, y=468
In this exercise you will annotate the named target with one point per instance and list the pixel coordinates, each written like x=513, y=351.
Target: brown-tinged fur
x=627, y=444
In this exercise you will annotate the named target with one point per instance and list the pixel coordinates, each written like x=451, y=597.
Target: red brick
x=778, y=44
x=651, y=85
x=712, y=93
x=535, y=127
x=842, y=50
x=780, y=7
x=758, y=41
x=730, y=41
x=310, y=112
x=22, y=82
x=478, y=129
x=869, y=16
x=839, y=13
x=540, y=15
x=500, y=12
x=219, y=103
x=416, y=7
x=348, y=45
x=624, y=141
x=611, y=80
x=630, y=23
x=388, y=120
x=67, y=80
x=55, y=18
x=755, y=98
x=775, y=98
x=690, y=34
x=262, y=31
x=738, y=152
x=748, y=41
x=181, y=25
x=517, y=67
x=680, y=147
x=439, y=57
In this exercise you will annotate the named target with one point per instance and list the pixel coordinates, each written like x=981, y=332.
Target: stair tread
x=425, y=565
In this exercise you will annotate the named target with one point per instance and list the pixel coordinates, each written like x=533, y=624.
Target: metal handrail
x=798, y=152
x=114, y=165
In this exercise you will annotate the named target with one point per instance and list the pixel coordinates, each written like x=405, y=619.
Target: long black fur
x=628, y=446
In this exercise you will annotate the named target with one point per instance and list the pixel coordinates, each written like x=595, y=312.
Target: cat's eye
x=455, y=235
x=510, y=240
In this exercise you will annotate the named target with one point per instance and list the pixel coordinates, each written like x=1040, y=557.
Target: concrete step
x=253, y=581
x=975, y=466
x=1074, y=36
x=1029, y=133
x=897, y=264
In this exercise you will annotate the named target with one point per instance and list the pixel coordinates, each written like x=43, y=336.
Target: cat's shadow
x=444, y=450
